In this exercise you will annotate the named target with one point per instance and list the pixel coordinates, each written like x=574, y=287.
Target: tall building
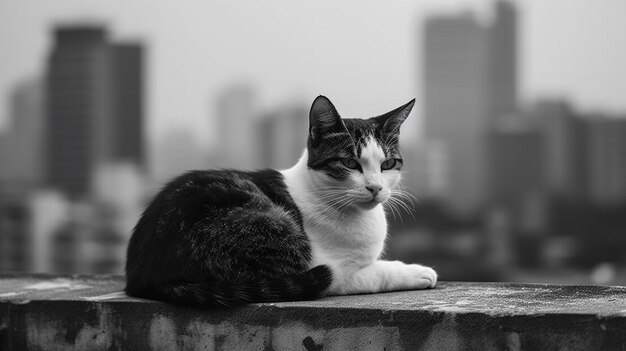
x=469, y=81
x=78, y=106
x=456, y=105
x=21, y=145
x=516, y=161
x=282, y=135
x=606, y=160
x=564, y=144
x=15, y=241
x=27, y=222
x=236, y=122
x=503, y=60
x=128, y=96
x=94, y=114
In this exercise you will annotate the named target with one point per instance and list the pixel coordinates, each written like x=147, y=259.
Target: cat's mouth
x=373, y=202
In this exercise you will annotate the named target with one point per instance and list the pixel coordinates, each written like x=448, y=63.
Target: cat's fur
x=212, y=238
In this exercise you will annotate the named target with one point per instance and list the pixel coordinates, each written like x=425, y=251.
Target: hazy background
x=516, y=148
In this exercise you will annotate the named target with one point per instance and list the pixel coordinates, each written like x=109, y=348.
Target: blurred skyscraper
x=563, y=148
x=15, y=241
x=606, y=157
x=584, y=154
x=516, y=161
x=469, y=82
x=236, y=122
x=456, y=105
x=503, y=60
x=94, y=114
x=282, y=136
x=21, y=146
x=128, y=140
x=27, y=221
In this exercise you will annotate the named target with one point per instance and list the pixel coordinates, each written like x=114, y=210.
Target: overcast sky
x=363, y=54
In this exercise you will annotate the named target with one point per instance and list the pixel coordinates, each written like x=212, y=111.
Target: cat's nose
x=374, y=189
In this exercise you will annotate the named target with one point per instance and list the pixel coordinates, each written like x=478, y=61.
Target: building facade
x=606, y=160
x=469, y=82
x=94, y=114
x=282, y=136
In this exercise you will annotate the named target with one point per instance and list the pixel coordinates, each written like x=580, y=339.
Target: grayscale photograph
x=299, y=175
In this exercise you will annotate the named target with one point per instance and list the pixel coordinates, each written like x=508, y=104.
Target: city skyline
x=585, y=73
x=528, y=177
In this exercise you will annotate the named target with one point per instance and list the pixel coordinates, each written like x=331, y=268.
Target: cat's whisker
x=394, y=209
x=407, y=196
x=409, y=192
x=390, y=206
x=329, y=196
x=402, y=199
x=406, y=201
x=346, y=206
x=404, y=192
x=402, y=207
x=339, y=201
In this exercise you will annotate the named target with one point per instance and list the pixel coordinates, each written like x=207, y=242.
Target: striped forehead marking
x=371, y=153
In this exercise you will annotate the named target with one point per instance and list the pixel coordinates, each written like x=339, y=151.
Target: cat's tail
x=304, y=286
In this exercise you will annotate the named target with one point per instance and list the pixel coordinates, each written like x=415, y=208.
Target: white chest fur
x=352, y=240
x=346, y=241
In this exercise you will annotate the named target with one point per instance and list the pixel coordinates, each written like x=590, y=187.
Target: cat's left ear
x=391, y=121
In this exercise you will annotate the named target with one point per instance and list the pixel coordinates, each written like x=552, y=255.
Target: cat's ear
x=323, y=117
x=390, y=122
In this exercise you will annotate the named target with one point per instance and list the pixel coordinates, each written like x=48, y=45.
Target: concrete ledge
x=90, y=313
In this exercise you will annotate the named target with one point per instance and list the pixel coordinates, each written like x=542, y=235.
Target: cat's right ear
x=323, y=117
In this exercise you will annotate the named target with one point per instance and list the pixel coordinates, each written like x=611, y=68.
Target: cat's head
x=354, y=162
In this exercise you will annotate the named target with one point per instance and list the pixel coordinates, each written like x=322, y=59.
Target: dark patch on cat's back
x=197, y=189
x=272, y=183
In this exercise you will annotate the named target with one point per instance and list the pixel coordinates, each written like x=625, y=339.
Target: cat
x=229, y=237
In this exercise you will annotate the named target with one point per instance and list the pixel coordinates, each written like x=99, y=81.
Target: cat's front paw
x=423, y=277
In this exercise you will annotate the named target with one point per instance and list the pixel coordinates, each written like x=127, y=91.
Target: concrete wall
x=91, y=313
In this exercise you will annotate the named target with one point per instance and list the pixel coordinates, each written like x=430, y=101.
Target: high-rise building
x=236, y=122
x=584, y=155
x=94, y=113
x=469, y=82
x=128, y=91
x=503, y=60
x=564, y=145
x=78, y=93
x=21, y=145
x=606, y=160
x=456, y=104
x=15, y=241
x=282, y=135
x=516, y=161
x=27, y=222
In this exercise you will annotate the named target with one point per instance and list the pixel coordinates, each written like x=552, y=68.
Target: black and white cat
x=227, y=237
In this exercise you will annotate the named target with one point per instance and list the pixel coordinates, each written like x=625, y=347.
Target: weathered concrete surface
x=91, y=313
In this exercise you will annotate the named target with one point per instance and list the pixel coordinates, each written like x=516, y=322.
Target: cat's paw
x=422, y=277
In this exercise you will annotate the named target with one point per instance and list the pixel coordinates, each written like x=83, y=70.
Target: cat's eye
x=350, y=163
x=390, y=163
